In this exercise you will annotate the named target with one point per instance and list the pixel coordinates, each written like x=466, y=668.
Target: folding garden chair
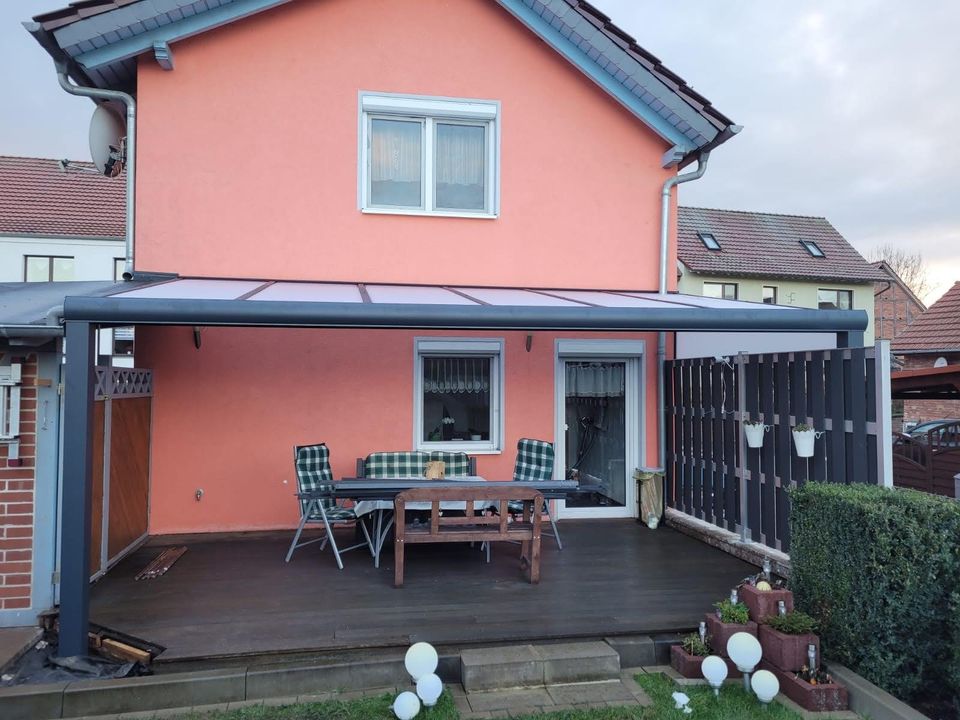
x=317, y=503
x=535, y=464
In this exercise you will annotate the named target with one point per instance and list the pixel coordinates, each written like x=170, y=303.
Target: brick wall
x=893, y=310
x=16, y=498
x=920, y=410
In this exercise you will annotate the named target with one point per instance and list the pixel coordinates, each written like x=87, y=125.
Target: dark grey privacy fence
x=712, y=474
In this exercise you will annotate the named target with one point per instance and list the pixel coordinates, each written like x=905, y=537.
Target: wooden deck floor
x=236, y=596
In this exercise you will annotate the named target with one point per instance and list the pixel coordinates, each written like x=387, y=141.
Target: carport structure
x=198, y=302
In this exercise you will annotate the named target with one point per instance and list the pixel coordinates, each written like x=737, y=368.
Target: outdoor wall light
x=745, y=651
x=197, y=340
x=421, y=659
x=715, y=670
x=765, y=685
x=406, y=706
x=429, y=688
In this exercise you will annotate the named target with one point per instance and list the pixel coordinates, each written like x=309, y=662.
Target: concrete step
x=532, y=665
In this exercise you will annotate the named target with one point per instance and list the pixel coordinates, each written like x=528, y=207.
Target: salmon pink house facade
x=389, y=226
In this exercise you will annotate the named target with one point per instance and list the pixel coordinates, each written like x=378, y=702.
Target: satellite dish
x=107, y=131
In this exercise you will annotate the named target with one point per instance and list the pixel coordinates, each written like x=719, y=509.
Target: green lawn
x=733, y=704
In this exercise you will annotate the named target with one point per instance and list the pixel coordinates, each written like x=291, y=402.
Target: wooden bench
x=471, y=527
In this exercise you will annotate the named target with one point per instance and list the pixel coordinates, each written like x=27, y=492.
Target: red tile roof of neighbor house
x=938, y=329
x=754, y=244
x=38, y=198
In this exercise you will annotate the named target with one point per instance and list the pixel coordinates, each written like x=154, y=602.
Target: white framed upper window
x=458, y=394
x=429, y=156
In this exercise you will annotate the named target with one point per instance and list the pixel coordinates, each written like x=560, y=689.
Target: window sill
x=426, y=213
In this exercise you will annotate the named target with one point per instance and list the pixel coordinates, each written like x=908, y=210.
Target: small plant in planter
x=729, y=618
x=804, y=437
x=754, y=429
x=763, y=597
x=785, y=639
x=687, y=657
x=812, y=690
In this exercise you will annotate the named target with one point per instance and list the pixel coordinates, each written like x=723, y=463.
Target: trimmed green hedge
x=880, y=569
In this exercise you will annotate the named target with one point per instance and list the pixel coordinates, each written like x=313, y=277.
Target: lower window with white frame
x=458, y=394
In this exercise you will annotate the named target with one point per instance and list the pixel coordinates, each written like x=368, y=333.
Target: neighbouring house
x=357, y=224
x=895, y=304
x=928, y=347
x=776, y=259
x=62, y=221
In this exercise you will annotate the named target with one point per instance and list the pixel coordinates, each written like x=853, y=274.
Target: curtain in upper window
x=396, y=162
x=460, y=158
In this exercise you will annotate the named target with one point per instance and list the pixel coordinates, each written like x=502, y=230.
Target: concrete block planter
x=721, y=632
x=763, y=604
x=786, y=652
x=830, y=697
x=684, y=663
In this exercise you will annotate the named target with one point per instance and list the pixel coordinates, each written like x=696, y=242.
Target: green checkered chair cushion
x=312, y=463
x=534, y=461
x=395, y=464
x=455, y=463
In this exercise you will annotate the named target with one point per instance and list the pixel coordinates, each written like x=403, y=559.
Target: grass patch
x=733, y=704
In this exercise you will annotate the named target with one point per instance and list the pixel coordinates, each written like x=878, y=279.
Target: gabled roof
x=99, y=41
x=761, y=245
x=937, y=330
x=884, y=267
x=37, y=197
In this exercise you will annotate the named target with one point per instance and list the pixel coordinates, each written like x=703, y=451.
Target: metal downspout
x=131, y=154
x=662, y=336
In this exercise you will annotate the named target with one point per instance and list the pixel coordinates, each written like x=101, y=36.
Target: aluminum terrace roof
x=201, y=301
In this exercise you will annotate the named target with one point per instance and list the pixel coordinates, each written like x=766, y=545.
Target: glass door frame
x=631, y=352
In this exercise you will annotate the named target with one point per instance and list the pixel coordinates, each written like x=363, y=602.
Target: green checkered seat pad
x=395, y=464
x=314, y=475
x=455, y=463
x=534, y=461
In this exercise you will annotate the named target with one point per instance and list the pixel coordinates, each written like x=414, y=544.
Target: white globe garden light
x=745, y=651
x=715, y=670
x=765, y=685
x=429, y=688
x=421, y=659
x=406, y=706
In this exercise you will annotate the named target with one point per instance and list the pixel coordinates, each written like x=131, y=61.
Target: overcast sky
x=848, y=108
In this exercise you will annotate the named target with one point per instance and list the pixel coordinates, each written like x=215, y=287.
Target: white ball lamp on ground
x=421, y=659
x=429, y=688
x=714, y=669
x=406, y=706
x=765, y=685
x=745, y=651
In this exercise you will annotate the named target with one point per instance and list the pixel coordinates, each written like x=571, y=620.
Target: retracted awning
x=252, y=303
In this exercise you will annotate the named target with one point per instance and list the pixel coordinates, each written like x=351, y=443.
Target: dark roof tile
x=38, y=198
x=937, y=329
x=767, y=245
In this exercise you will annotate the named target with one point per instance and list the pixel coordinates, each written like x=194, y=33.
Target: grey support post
x=77, y=482
x=850, y=339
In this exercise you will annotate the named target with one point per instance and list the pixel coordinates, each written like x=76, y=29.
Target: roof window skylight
x=709, y=240
x=812, y=248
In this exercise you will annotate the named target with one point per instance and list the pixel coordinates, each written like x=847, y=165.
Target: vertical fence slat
x=697, y=437
x=687, y=439
x=784, y=443
x=731, y=501
x=798, y=408
x=819, y=410
x=670, y=416
x=706, y=407
x=768, y=500
x=858, y=413
x=838, y=442
x=753, y=455
x=716, y=416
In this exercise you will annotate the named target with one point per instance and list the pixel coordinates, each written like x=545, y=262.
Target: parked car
x=946, y=431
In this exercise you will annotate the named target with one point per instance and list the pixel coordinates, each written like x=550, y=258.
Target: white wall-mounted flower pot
x=754, y=434
x=803, y=441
